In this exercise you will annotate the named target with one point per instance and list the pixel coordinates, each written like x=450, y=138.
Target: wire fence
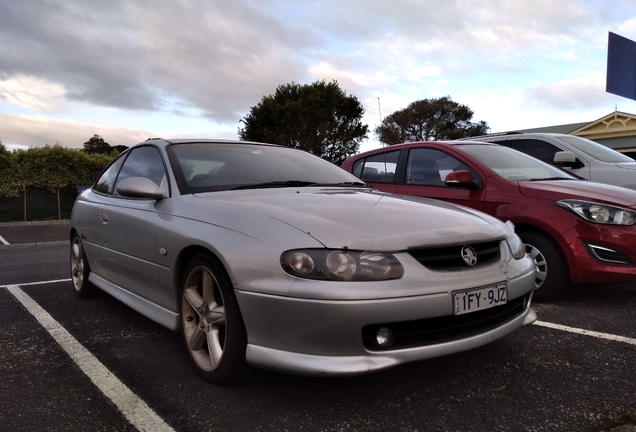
x=37, y=204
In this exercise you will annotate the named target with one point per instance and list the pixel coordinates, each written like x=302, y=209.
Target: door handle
x=103, y=218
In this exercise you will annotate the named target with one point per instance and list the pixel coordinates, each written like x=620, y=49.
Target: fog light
x=385, y=337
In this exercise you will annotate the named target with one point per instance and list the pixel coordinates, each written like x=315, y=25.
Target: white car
x=580, y=156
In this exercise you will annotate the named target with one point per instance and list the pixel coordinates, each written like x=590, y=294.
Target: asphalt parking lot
x=74, y=365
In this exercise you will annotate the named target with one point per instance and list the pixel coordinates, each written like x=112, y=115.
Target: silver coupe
x=269, y=256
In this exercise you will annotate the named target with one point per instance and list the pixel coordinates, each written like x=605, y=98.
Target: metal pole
x=380, y=112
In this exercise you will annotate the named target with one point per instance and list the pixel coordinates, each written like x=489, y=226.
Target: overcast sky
x=132, y=69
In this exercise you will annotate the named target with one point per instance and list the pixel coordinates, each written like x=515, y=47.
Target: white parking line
x=3, y=241
x=587, y=332
x=136, y=411
x=133, y=408
x=37, y=283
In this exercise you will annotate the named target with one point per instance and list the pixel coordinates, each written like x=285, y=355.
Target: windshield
x=512, y=164
x=596, y=150
x=206, y=167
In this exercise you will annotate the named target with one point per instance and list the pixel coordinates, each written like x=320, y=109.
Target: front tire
x=552, y=270
x=211, y=322
x=80, y=270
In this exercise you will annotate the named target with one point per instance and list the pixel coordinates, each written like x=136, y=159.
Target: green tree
x=10, y=181
x=120, y=148
x=97, y=145
x=430, y=120
x=319, y=118
x=50, y=167
x=5, y=156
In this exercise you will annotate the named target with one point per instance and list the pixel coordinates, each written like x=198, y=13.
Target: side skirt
x=158, y=314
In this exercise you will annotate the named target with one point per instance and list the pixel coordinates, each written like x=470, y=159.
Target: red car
x=577, y=231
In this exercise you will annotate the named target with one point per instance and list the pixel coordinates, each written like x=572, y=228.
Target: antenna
x=386, y=174
x=380, y=112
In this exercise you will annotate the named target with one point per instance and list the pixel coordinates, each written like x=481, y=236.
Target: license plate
x=475, y=299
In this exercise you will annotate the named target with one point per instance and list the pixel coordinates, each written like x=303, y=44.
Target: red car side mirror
x=461, y=179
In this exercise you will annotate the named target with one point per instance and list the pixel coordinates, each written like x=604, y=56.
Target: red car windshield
x=512, y=164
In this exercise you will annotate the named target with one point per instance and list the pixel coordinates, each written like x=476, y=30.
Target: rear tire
x=552, y=268
x=80, y=270
x=211, y=323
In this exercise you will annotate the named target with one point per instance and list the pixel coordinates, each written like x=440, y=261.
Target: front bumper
x=586, y=267
x=307, y=364
x=325, y=337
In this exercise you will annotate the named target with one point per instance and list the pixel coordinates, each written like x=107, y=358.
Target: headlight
x=599, y=213
x=341, y=265
x=516, y=246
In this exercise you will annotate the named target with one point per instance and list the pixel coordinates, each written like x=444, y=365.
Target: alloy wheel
x=541, y=264
x=77, y=264
x=203, y=318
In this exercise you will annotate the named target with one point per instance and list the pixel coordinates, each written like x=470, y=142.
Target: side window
x=357, y=168
x=378, y=168
x=540, y=149
x=503, y=142
x=429, y=167
x=143, y=162
x=106, y=182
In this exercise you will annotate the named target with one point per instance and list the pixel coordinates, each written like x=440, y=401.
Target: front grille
x=438, y=330
x=608, y=256
x=450, y=258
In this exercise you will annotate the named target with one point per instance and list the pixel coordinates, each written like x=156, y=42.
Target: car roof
x=424, y=143
x=162, y=142
x=513, y=134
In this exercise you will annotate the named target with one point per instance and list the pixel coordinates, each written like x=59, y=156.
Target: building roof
x=614, y=125
x=616, y=130
x=564, y=129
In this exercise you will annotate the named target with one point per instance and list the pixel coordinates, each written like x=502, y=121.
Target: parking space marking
x=599, y=335
x=37, y=283
x=3, y=241
x=136, y=411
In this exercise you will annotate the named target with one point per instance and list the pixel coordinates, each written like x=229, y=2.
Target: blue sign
x=621, y=66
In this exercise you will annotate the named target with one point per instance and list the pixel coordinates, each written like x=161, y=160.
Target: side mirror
x=567, y=159
x=141, y=187
x=461, y=179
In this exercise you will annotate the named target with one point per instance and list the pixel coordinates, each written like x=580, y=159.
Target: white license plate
x=472, y=300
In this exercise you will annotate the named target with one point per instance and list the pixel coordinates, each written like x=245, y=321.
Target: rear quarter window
x=540, y=149
x=378, y=168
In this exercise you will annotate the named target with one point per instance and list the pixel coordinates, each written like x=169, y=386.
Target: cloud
x=184, y=61
x=222, y=56
x=574, y=94
x=218, y=56
x=38, y=131
x=31, y=93
x=576, y=100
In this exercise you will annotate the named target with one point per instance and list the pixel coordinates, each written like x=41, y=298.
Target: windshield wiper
x=357, y=184
x=276, y=184
x=297, y=183
x=552, y=178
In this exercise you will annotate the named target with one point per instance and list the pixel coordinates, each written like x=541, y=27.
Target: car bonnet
x=627, y=165
x=367, y=220
x=579, y=189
